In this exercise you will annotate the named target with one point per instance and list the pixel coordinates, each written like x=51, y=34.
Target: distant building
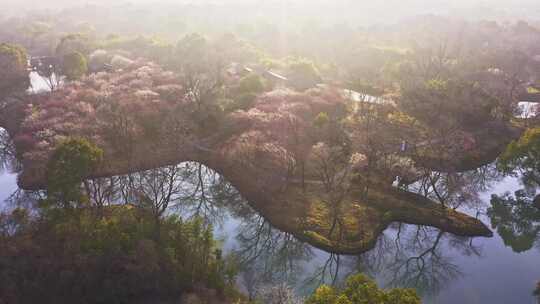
x=235, y=71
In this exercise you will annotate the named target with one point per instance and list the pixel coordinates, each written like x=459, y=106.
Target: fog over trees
x=350, y=11
x=348, y=136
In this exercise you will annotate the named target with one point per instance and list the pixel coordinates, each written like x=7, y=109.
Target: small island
x=315, y=162
x=263, y=152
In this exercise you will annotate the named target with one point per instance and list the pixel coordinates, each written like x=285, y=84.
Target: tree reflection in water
x=8, y=161
x=409, y=256
x=516, y=219
x=405, y=255
x=268, y=256
x=457, y=189
x=419, y=260
x=189, y=189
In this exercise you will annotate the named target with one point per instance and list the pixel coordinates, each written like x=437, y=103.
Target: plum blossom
x=358, y=160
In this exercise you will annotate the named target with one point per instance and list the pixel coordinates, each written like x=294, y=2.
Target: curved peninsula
x=300, y=159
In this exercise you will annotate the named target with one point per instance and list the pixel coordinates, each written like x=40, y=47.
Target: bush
x=321, y=120
x=303, y=75
x=359, y=289
x=251, y=84
x=71, y=162
x=76, y=256
x=447, y=104
x=13, y=75
x=74, y=65
x=72, y=43
x=242, y=102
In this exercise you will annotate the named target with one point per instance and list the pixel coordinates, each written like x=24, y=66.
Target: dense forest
x=131, y=128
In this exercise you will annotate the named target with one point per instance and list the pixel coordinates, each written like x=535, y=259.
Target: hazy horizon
x=362, y=12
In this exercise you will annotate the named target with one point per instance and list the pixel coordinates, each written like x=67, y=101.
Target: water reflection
x=9, y=166
x=516, y=219
x=458, y=189
x=8, y=161
x=190, y=189
x=405, y=255
x=268, y=256
x=417, y=257
x=424, y=258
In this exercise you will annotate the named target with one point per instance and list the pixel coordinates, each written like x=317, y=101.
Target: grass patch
x=361, y=220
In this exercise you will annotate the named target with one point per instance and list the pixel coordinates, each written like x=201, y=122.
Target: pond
x=40, y=84
x=444, y=268
x=456, y=270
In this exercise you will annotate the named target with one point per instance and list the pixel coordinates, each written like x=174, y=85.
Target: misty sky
x=387, y=10
x=391, y=4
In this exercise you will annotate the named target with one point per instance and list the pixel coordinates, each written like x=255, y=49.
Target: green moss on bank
x=361, y=221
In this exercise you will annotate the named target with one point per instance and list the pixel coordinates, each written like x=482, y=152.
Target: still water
x=445, y=269
x=479, y=270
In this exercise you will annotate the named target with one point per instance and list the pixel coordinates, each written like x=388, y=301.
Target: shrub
x=242, y=102
x=359, y=289
x=251, y=84
x=76, y=256
x=72, y=43
x=303, y=74
x=321, y=120
x=13, y=75
x=71, y=162
x=74, y=65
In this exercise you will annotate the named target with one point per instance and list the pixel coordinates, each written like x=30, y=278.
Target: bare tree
x=334, y=169
x=157, y=189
